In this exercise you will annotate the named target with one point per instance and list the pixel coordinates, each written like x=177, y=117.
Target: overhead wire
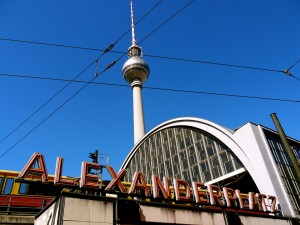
x=223, y=94
x=169, y=18
x=45, y=103
x=77, y=92
x=155, y=56
x=51, y=44
x=286, y=72
x=215, y=63
x=154, y=88
x=136, y=23
x=49, y=115
x=109, y=48
x=80, y=47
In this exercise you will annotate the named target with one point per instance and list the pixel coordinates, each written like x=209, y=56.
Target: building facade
x=78, y=209
x=250, y=158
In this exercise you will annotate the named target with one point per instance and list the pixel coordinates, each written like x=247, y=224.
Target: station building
x=251, y=158
x=77, y=209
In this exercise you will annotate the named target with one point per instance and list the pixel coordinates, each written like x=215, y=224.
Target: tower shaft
x=138, y=111
x=136, y=71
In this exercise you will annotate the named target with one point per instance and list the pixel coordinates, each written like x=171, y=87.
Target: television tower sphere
x=135, y=67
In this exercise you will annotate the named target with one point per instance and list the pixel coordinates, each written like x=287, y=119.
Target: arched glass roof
x=183, y=152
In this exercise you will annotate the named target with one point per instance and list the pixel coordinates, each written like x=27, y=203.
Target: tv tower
x=136, y=71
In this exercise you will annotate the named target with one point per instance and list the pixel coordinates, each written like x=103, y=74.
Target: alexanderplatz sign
x=181, y=190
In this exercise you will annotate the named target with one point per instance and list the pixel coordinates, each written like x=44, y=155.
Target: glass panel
x=284, y=167
x=1, y=183
x=223, y=157
x=207, y=176
x=216, y=172
x=184, y=153
x=181, y=144
x=195, y=171
x=23, y=188
x=202, y=155
x=8, y=186
x=229, y=167
x=176, y=171
x=193, y=160
x=203, y=166
x=185, y=164
x=210, y=150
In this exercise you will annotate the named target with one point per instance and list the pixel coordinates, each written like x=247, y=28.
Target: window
x=195, y=171
x=8, y=186
x=1, y=182
x=210, y=150
x=185, y=164
x=296, y=152
x=229, y=167
x=184, y=153
x=284, y=167
x=23, y=188
x=193, y=160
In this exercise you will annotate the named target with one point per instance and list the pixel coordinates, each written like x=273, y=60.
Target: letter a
x=35, y=166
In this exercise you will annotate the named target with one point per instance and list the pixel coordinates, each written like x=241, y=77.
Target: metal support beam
x=295, y=165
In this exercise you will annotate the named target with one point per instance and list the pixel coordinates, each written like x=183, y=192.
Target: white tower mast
x=136, y=71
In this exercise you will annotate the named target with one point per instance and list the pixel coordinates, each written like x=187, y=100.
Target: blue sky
x=263, y=34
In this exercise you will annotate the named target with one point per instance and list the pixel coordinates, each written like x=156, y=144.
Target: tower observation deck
x=136, y=71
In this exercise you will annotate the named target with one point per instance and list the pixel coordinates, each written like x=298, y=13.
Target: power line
x=141, y=19
x=293, y=65
x=50, y=44
x=47, y=117
x=230, y=65
x=45, y=103
x=156, y=56
x=287, y=72
x=62, y=105
x=167, y=20
x=162, y=57
x=80, y=47
x=154, y=88
x=86, y=84
x=214, y=63
x=109, y=48
x=223, y=94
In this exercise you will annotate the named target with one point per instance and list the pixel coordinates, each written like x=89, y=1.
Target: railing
x=23, y=203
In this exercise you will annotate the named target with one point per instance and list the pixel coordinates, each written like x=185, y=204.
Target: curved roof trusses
x=221, y=133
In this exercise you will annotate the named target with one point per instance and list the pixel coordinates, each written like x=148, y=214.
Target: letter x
x=116, y=179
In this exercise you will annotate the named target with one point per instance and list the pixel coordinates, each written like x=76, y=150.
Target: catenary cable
x=215, y=63
x=287, y=72
x=167, y=20
x=156, y=56
x=109, y=48
x=80, y=47
x=45, y=103
x=166, y=57
x=47, y=117
x=153, y=88
x=77, y=92
x=58, y=108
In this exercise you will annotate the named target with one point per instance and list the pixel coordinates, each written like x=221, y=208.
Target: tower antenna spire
x=136, y=71
x=132, y=25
